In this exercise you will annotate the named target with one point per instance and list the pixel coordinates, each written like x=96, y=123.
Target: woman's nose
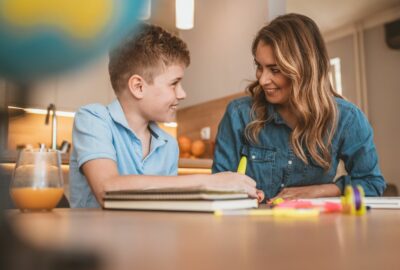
x=265, y=77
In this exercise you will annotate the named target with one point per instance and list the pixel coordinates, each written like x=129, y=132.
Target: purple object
x=357, y=198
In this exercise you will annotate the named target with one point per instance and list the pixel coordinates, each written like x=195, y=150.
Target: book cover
x=178, y=199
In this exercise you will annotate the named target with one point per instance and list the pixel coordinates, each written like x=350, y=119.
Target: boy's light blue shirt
x=103, y=132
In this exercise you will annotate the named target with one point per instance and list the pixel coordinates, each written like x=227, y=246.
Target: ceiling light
x=145, y=13
x=184, y=14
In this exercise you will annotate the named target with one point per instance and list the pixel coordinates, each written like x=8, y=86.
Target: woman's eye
x=275, y=70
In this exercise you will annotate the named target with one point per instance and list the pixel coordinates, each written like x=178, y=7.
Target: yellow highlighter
x=242, y=170
x=242, y=165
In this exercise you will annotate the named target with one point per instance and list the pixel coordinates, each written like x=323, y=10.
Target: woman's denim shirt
x=273, y=164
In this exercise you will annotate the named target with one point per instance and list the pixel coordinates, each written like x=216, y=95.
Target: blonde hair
x=301, y=55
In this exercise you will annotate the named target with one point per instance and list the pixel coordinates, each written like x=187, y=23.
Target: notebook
x=177, y=199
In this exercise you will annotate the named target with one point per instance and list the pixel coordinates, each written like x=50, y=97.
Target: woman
x=294, y=128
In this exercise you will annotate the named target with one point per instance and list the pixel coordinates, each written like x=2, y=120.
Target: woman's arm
x=229, y=141
x=359, y=155
x=307, y=192
x=357, y=150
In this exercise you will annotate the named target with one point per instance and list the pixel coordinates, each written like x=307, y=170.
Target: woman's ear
x=135, y=86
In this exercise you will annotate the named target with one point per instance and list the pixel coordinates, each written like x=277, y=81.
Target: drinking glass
x=37, y=182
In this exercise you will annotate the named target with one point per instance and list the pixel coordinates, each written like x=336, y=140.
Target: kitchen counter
x=10, y=156
x=194, y=166
x=186, y=166
x=203, y=163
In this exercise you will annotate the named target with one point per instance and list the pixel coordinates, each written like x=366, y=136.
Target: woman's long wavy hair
x=301, y=55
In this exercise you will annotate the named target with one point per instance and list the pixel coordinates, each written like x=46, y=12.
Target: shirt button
x=282, y=185
x=289, y=162
x=253, y=157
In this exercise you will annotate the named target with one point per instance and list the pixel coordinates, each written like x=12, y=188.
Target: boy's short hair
x=145, y=53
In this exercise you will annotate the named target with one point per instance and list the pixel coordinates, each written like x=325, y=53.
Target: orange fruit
x=184, y=144
x=184, y=155
x=198, y=148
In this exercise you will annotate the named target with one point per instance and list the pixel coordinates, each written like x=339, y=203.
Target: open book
x=178, y=199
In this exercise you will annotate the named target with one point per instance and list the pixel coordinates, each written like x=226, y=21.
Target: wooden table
x=161, y=240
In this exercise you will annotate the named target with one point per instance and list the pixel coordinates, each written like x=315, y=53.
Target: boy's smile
x=175, y=106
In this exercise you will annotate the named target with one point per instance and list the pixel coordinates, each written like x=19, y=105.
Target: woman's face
x=277, y=87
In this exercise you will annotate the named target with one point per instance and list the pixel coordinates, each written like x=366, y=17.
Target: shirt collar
x=118, y=116
x=157, y=132
x=273, y=115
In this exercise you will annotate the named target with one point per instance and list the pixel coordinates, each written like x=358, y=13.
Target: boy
x=120, y=146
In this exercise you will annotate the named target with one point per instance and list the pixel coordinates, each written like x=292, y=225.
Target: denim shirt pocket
x=260, y=165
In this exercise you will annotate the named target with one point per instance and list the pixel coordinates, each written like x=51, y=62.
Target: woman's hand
x=232, y=182
x=306, y=192
x=260, y=195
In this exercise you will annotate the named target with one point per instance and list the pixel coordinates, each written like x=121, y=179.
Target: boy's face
x=161, y=98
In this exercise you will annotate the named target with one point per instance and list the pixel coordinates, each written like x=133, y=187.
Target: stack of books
x=178, y=199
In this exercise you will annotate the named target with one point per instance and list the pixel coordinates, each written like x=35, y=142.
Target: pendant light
x=184, y=12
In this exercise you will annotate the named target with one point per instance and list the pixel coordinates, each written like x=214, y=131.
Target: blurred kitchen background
x=361, y=37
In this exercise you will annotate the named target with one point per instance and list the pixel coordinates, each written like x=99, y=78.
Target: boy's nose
x=180, y=92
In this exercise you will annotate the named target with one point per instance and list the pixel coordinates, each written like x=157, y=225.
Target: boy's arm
x=102, y=176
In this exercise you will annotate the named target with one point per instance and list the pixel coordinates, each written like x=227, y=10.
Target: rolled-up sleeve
x=229, y=141
x=360, y=157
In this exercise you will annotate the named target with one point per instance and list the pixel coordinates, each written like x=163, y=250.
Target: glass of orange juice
x=37, y=182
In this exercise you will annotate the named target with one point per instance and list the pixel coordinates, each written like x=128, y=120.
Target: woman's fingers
x=260, y=195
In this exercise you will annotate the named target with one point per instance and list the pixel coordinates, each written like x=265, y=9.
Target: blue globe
x=43, y=37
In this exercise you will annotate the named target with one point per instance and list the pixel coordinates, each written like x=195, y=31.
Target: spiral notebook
x=178, y=199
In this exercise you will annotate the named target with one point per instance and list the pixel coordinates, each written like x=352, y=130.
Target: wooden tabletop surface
x=170, y=240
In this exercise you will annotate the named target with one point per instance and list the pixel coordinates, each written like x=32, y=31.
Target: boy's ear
x=135, y=86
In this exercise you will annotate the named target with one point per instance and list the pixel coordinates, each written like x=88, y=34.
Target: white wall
x=344, y=49
x=220, y=46
x=69, y=90
x=383, y=72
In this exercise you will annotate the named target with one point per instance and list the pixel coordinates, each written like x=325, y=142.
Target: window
x=335, y=74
